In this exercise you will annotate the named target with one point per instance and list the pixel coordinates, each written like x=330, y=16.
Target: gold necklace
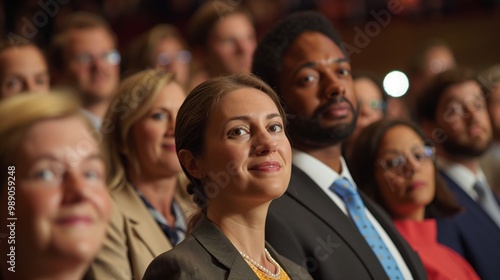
x=262, y=268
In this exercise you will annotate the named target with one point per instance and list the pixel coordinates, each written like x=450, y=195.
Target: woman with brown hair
x=392, y=163
x=231, y=142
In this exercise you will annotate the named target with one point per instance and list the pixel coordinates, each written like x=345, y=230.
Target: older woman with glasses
x=54, y=181
x=394, y=166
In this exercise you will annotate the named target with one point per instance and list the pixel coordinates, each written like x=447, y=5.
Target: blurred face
x=62, y=201
x=153, y=135
x=462, y=114
x=316, y=85
x=405, y=172
x=231, y=45
x=438, y=59
x=370, y=103
x=170, y=56
x=92, y=63
x=494, y=111
x=247, y=156
x=23, y=69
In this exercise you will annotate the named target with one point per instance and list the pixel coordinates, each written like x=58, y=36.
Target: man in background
x=84, y=57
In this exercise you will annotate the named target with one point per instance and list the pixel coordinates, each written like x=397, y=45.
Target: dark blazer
x=307, y=227
x=473, y=234
x=208, y=254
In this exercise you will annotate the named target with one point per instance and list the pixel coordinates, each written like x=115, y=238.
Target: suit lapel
x=472, y=207
x=143, y=226
x=311, y=196
x=217, y=244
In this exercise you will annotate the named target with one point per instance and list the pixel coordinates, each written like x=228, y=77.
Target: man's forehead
x=314, y=47
x=462, y=92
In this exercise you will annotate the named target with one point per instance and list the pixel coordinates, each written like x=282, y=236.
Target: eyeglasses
x=398, y=164
x=374, y=104
x=112, y=57
x=164, y=59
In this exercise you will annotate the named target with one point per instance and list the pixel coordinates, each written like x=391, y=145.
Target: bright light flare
x=396, y=83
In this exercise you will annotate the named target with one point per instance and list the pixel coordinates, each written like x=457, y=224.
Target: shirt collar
x=462, y=175
x=96, y=121
x=319, y=172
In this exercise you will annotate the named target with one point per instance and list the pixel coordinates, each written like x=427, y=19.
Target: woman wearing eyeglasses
x=161, y=48
x=394, y=166
x=55, y=206
x=371, y=105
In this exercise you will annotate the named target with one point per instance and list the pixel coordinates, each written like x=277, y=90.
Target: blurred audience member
x=394, y=166
x=149, y=205
x=396, y=108
x=84, y=57
x=490, y=163
x=23, y=68
x=303, y=57
x=161, y=48
x=231, y=141
x=430, y=59
x=452, y=110
x=54, y=170
x=371, y=105
x=223, y=40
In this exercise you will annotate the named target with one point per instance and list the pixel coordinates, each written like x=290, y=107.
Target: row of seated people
x=229, y=140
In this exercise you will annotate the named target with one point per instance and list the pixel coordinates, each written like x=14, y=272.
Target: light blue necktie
x=356, y=208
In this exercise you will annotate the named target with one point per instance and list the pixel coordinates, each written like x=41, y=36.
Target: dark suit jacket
x=307, y=227
x=473, y=234
x=208, y=254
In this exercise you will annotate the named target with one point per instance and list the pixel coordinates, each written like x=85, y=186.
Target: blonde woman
x=149, y=210
x=53, y=177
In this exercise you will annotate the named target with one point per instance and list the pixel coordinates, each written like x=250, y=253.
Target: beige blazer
x=134, y=238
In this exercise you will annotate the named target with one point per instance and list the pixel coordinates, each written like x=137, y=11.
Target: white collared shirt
x=462, y=176
x=324, y=177
x=96, y=121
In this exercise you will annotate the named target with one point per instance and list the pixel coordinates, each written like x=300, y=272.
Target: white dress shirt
x=324, y=177
x=462, y=176
x=96, y=121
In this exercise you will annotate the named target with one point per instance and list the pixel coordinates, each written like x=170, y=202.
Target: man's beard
x=474, y=150
x=309, y=132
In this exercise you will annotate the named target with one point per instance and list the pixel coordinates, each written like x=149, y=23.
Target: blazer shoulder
x=180, y=263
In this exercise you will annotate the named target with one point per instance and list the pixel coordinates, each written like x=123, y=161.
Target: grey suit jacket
x=208, y=254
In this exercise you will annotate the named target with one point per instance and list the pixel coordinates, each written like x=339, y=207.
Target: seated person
x=231, y=142
x=161, y=48
x=491, y=159
x=149, y=205
x=223, y=41
x=23, y=68
x=371, y=105
x=393, y=165
x=453, y=112
x=54, y=172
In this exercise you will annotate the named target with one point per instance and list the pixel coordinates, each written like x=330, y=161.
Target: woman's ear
x=189, y=162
